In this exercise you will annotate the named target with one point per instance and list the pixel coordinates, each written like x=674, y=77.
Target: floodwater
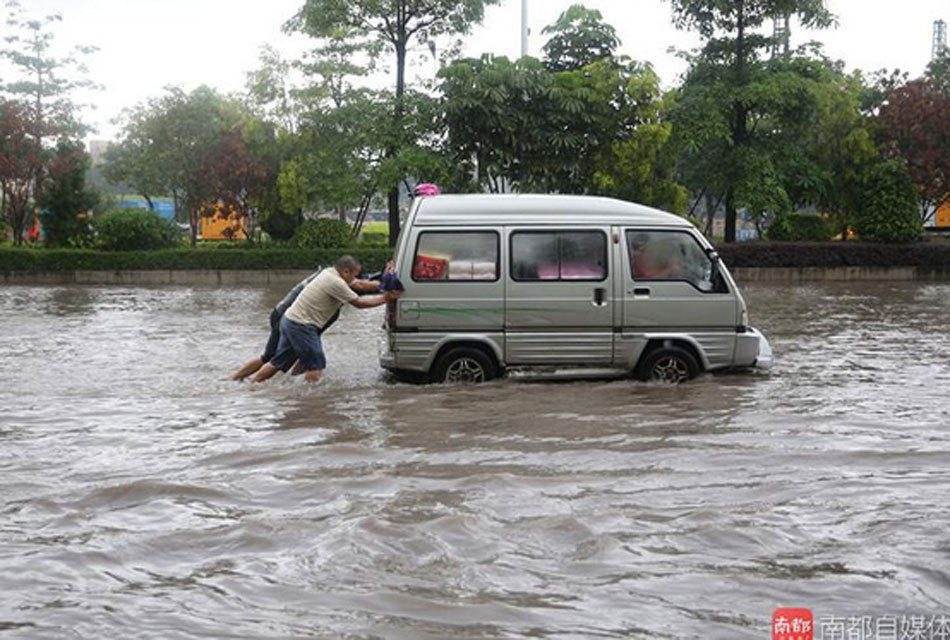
x=143, y=495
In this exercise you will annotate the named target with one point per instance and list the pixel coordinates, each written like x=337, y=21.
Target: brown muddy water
x=142, y=495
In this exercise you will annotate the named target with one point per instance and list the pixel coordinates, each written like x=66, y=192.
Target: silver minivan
x=578, y=283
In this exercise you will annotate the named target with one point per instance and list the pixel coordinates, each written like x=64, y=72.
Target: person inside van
x=311, y=313
x=653, y=259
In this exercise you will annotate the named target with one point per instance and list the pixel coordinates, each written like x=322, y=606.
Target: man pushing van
x=311, y=313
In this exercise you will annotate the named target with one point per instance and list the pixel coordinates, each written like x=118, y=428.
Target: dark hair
x=348, y=263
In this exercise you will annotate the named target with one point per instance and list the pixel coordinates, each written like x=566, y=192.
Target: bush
x=372, y=239
x=799, y=227
x=135, y=229
x=322, y=233
x=834, y=254
x=890, y=211
x=34, y=260
x=279, y=224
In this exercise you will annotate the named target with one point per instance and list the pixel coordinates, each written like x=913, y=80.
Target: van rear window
x=558, y=255
x=456, y=256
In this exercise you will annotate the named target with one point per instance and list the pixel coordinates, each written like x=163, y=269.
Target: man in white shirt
x=270, y=348
x=314, y=310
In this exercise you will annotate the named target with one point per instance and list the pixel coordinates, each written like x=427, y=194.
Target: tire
x=672, y=365
x=467, y=365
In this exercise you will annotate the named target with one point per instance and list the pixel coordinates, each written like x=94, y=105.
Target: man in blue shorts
x=311, y=313
x=251, y=366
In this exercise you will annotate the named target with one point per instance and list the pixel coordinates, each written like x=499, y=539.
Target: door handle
x=600, y=296
x=641, y=291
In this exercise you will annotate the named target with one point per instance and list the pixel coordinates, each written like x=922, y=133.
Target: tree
x=733, y=45
x=638, y=163
x=914, y=126
x=21, y=165
x=167, y=141
x=229, y=175
x=391, y=25
x=67, y=200
x=45, y=82
x=842, y=147
x=599, y=130
x=890, y=211
x=776, y=167
x=938, y=72
x=579, y=37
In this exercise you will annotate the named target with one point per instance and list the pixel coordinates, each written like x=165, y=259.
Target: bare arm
x=368, y=302
x=365, y=286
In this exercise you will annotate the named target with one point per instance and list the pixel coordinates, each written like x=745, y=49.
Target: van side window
x=456, y=256
x=671, y=255
x=558, y=255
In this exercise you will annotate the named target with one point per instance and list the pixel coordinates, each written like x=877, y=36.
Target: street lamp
x=524, y=28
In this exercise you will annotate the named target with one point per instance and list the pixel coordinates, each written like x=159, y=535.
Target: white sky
x=148, y=44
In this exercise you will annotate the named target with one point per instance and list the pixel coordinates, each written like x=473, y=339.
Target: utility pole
x=781, y=35
x=524, y=28
x=939, y=39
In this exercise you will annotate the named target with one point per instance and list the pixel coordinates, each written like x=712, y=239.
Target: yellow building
x=224, y=224
x=942, y=217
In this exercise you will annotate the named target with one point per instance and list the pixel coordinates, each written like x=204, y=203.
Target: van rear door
x=454, y=281
x=559, y=300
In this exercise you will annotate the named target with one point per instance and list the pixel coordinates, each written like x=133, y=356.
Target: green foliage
x=166, y=145
x=388, y=24
x=891, y=205
x=579, y=37
x=799, y=227
x=372, y=25
x=322, y=233
x=709, y=16
x=43, y=82
x=371, y=239
x=135, y=230
x=67, y=200
x=599, y=130
x=37, y=260
x=841, y=148
x=915, y=128
x=938, y=72
x=739, y=109
x=278, y=223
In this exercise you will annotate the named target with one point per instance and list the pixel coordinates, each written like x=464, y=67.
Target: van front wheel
x=671, y=364
x=464, y=365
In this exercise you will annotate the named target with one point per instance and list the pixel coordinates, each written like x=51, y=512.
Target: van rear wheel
x=671, y=364
x=466, y=365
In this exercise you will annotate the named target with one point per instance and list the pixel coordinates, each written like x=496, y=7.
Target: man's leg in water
x=249, y=367
x=270, y=349
x=297, y=369
x=314, y=375
x=265, y=373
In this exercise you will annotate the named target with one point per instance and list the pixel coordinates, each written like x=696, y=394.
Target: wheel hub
x=465, y=370
x=670, y=369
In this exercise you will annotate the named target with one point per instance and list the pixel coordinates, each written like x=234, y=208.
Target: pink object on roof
x=427, y=189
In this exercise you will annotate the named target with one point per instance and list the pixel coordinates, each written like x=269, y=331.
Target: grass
x=377, y=226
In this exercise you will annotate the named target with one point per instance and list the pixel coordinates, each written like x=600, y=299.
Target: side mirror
x=712, y=254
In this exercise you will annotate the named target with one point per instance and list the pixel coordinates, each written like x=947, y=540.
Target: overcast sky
x=148, y=44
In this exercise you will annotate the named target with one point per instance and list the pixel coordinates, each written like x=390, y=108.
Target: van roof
x=483, y=209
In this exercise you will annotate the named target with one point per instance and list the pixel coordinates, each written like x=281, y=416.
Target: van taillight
x=391, y=314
